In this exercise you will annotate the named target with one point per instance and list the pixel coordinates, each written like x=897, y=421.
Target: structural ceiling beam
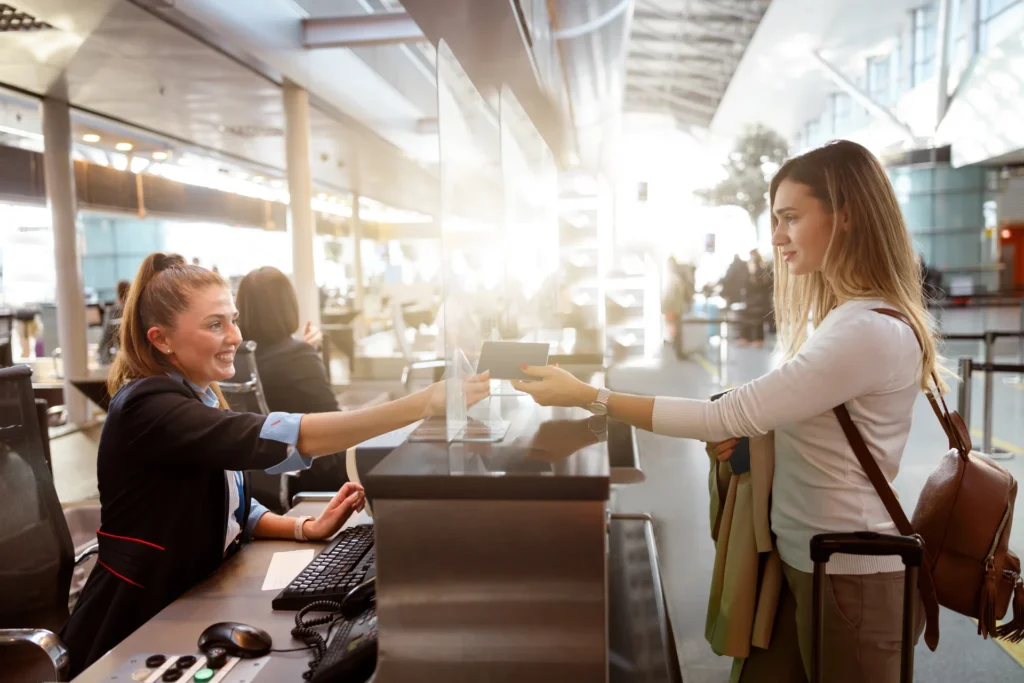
x=861, y=97
x=360, y=30
x=677, y=84
x=674, y=99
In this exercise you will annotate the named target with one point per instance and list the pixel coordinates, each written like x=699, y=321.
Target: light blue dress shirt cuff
x=256, y=510
x=284, y=427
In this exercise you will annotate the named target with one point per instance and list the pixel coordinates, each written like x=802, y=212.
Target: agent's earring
x=167, y=351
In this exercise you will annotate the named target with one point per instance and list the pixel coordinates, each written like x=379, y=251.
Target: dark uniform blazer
x=164, y=499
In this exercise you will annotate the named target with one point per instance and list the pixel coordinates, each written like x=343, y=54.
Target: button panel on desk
x=171, y=668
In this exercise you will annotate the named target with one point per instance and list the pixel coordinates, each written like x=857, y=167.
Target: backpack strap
x=892, y=505
x=952, y=424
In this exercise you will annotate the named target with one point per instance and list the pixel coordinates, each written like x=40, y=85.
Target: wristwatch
x=300, y=534
x=600, y=405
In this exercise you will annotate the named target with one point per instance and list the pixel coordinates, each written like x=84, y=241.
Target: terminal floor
x=675, y=494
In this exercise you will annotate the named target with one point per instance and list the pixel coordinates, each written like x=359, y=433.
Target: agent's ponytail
x=160, y=291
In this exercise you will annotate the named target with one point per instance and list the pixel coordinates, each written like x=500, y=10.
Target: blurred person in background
x=291, y=369
x=758, y=297
x=735, y=280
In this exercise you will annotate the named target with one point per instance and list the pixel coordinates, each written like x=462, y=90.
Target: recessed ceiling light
x=91, y=137
x=159, y=156
x=124, y=147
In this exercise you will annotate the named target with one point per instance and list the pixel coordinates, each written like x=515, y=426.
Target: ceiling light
x=159, y=156
x=258, y=179
x=91, y=137
x=124, y=147
x=276, y=183
x=322, y=197
x=138, y=164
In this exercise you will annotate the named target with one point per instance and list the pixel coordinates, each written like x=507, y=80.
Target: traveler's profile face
x=204, y=338
x=804, y=227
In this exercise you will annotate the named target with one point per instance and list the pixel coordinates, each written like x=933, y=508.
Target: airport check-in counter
x=500, y=561
x=495, y=562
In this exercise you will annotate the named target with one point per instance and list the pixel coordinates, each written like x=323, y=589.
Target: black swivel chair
x=36, y=552
x=244, y=393
x=6, y=332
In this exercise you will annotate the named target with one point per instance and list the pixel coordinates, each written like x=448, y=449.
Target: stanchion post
x=964, y=395
x=723, y=333
x=989, y=389
x=1020, y=340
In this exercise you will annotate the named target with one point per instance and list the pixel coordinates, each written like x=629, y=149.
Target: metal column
x=60, y=197
x=300, y=210
x=942, y=54
x=357, y=239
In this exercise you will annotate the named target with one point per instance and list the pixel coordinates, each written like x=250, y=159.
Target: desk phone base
x=236, y=670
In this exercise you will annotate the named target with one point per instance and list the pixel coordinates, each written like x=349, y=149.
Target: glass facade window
x=842, y=113
x=996, y=22
x=879, y=79
x=925, y=36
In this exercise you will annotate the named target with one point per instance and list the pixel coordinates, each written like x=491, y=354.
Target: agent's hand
x=556, y=388
x=349, y=499
x=475, y=389
x=722, y=450
x=312, y=335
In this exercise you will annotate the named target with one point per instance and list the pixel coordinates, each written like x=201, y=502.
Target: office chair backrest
x=36, y=553
x=6, y=352
x=244, y=391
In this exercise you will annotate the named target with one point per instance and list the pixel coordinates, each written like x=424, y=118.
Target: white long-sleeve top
x=869, y=361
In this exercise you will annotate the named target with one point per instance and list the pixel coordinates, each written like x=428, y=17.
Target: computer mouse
x=238, y=640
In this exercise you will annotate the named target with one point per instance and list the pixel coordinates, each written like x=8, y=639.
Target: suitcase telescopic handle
x=909, y=548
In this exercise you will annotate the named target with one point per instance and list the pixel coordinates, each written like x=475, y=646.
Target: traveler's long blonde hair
x=873, y=258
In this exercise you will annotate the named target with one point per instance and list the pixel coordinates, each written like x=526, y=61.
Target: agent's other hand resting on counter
x=350, y=498
x=172, y=460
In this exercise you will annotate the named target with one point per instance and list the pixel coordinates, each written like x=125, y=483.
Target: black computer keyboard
x=342, y=566
x=351, y=655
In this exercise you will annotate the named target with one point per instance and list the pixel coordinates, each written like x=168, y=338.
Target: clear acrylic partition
x=531, y=230
x=472, y=245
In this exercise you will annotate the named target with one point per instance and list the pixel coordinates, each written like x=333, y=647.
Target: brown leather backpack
x=963, y=516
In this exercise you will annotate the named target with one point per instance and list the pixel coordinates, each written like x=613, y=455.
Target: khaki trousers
x=863, y=631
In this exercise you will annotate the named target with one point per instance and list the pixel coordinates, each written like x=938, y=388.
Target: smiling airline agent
x=175, y=502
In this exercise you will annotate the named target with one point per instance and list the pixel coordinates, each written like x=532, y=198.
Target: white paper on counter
x=286, y=566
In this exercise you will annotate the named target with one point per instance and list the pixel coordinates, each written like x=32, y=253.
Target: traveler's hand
x=312, y=335
x=556, y=388
x=475, y=389
x=346, y=501
x=722, y=450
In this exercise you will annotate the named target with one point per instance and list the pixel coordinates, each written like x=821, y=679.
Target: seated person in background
x=292, y=371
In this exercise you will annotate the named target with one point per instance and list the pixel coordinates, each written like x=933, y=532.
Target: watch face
x=598, y=408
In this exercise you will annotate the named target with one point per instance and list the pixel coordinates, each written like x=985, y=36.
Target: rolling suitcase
x=911, y=551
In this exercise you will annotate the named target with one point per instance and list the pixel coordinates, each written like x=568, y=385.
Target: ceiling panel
x=683, y=53
x=119, y=60
x=777, y=82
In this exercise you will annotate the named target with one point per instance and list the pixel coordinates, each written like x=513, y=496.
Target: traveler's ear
x=842, y=220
